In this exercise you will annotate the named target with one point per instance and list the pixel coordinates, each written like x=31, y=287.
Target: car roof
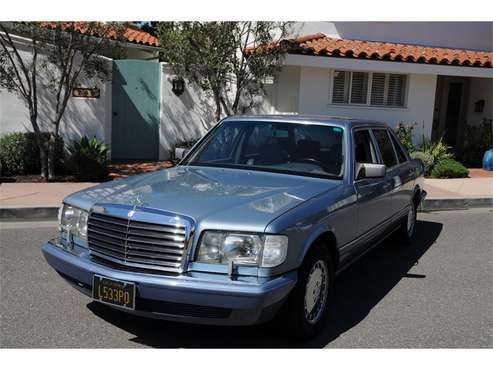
x=314, y=119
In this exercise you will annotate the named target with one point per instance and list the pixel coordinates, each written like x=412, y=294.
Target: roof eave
x=372, y=65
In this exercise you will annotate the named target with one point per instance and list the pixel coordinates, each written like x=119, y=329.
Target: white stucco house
x=438, y=75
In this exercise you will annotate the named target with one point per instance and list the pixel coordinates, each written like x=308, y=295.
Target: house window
x=369, y=88
x=359, y=87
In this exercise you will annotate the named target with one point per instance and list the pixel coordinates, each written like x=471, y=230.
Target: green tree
x=230, y=60
x=54, y=56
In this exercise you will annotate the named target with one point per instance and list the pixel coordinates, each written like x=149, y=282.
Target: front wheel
x=304, y=313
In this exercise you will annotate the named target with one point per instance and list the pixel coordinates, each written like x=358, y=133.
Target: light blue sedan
x=256, y=221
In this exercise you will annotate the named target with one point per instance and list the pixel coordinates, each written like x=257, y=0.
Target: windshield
x=295, y=148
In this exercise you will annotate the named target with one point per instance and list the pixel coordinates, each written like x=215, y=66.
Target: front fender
x=317, y=232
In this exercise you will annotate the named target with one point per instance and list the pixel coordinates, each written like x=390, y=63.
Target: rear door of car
x=374, y=200
x=389, y=158
x=406, y=172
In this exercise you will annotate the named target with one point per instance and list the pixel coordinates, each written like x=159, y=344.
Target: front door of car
x=374, y=194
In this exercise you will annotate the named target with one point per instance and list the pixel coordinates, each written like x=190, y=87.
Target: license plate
x=115, y=292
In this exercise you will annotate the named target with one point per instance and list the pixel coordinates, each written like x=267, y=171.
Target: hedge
x=448, y=168
x=19, y=153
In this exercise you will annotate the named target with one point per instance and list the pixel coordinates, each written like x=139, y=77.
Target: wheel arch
x=417, y=194
x=329, y=240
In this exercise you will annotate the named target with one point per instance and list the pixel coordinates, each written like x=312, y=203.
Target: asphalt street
x=437, y=293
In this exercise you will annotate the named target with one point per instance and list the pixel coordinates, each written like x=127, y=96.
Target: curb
x=439, y=204
x=47, y=213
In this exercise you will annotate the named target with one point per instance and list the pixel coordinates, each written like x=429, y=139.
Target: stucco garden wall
x=84, y=116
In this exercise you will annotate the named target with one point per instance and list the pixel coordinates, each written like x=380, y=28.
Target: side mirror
x=370, y=170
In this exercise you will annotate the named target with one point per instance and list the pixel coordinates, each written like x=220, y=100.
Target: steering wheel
x=314, y=161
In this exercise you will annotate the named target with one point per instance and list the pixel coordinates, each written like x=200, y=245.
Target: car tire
x=305, y=311
x=408, y=226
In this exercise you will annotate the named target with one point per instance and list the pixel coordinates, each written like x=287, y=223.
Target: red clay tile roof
x=131, y=34
x=321, y=45
x=138, y=36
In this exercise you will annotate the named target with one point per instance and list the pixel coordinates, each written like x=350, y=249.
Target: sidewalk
x=459, y=188
x=458, y=193
x=36, y=195
x=37, y=200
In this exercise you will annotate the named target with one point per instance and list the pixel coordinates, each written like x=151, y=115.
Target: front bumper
x=192, y=297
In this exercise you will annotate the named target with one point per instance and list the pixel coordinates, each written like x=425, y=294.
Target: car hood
x=215, y=197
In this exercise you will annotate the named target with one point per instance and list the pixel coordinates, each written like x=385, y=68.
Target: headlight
x=244, y=249
x=73, y=220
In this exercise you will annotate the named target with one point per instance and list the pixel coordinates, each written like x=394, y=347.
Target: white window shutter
x=378, y=89
x=359, y=87
x=396, y=88
x=340, y=88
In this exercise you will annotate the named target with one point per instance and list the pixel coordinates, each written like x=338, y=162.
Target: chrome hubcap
x=316, y=292
x=411, y=219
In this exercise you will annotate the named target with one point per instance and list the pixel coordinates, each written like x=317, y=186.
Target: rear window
x=400, y=152
x=386, y=148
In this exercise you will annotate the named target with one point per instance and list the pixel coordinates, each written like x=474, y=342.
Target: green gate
x=135, y=100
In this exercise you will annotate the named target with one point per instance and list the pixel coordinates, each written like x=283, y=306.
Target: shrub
x=439, y=150
x=427, y=160
x=19, y=153
x=88, y=159
x=448, y=168
x=405, y=135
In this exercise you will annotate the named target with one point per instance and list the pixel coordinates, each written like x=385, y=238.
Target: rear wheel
x=304, y=313
x=406, y=230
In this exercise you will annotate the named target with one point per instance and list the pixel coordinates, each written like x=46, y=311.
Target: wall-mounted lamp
x=479, y=106
x=178, y=85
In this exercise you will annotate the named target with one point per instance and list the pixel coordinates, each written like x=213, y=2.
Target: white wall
x=190, y=115
x=283, y=95
x=183, y=118
x=314, y=92
x=89, y=117
x=461, y=35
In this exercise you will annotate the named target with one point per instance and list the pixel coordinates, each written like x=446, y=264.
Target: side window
x=400, y=152
x=386, y=148
x=364, y=151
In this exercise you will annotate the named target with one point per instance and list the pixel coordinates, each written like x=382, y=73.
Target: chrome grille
x=141, y=244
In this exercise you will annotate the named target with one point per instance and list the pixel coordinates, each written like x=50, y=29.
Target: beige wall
x=480, y=88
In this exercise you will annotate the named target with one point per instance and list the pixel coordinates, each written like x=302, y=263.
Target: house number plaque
x=86, y=92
